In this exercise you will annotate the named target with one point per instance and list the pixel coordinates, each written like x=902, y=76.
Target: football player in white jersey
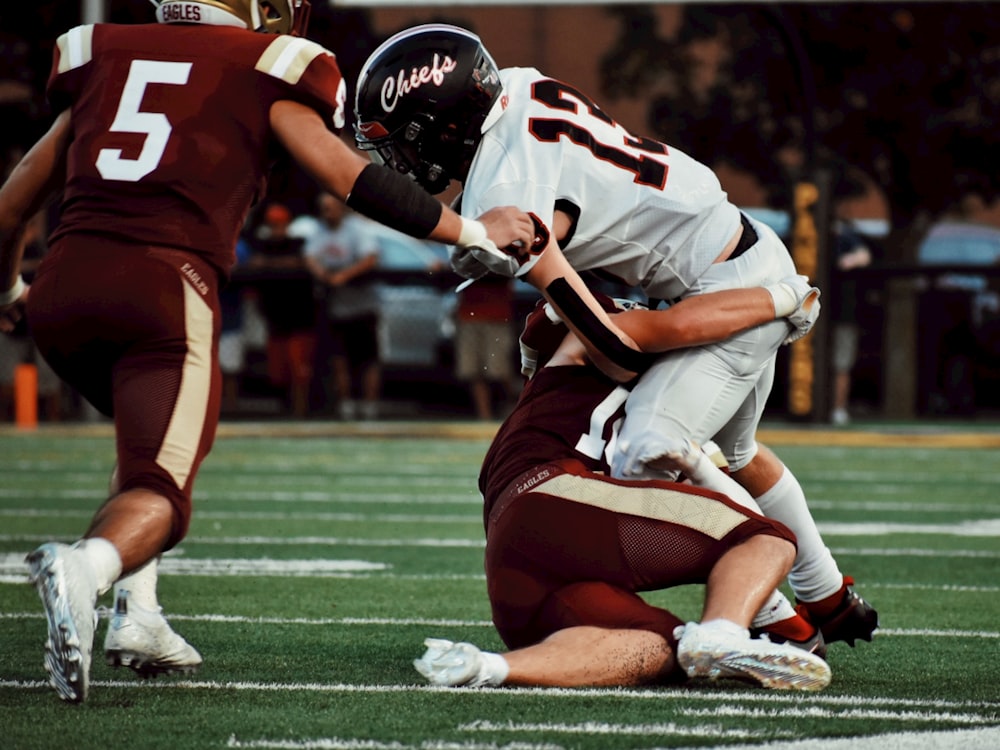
x=432, y=103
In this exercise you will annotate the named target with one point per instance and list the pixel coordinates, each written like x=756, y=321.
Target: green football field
x=320, y=556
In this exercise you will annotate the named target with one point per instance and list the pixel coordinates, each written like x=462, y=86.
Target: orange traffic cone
x=26, y=396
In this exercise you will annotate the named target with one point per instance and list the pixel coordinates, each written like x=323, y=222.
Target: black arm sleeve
x=390, y=198
x=595, y=331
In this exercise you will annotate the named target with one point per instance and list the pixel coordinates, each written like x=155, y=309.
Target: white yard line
x=396, y=621
x=686, y=695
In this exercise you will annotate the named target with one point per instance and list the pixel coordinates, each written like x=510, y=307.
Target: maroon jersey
x=563, y=412
x=171, y=137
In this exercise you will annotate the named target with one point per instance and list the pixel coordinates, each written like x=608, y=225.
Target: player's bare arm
x=694, y=321
x=698, y=320
x=381, y=193
x=35, y=178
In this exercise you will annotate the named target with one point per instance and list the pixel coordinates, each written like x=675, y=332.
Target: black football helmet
x=421, y=101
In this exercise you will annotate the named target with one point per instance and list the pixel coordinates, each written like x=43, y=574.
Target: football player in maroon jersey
x=568, y=547
x=164, y=138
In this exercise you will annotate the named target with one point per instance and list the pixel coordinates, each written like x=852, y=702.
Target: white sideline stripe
x=476, y=518
x=815, y=712
x=470, y=498
x=683, y=695
x=339, y=743
x=911, y=552
x=10, y=575
x=323, y=621
x=961, y=739
x=929, y=587
x=669, y=729
x=330, y=541
x=13, y=564
x=13, y=570
x=880, y=633
x=974, y=739
x=906, y=507
x=984, y=527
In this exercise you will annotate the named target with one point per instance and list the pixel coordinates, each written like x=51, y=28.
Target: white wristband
x=13, y=294
x=785, y=300
x=473, y=232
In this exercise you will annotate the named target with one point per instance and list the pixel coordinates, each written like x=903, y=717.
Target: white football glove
x=796, y=300
x=460, y=664
x=475, y=261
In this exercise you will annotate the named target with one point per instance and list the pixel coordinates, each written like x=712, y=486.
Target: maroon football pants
x=135, y=331
x=568, y=547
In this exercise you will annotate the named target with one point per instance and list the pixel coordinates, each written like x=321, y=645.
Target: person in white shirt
x=341, y=254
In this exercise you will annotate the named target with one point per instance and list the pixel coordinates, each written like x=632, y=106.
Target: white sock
x=493, y=669
x=775, y=609
x=105, y=562
x=720, y=625
x=711, y=477
x=141, y=583
x=815, y=574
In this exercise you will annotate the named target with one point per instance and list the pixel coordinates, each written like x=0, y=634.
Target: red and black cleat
x=849, y=620
x=796, y=631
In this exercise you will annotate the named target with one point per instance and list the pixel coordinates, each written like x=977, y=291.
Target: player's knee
x=178, y=498
x=779, y=549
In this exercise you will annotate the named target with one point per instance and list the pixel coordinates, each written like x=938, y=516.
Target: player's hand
x=796, y=300
x=509, y=260
x=508, y=226
x=804, y=316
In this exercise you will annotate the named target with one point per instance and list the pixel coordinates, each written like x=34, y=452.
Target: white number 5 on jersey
x=129, y=119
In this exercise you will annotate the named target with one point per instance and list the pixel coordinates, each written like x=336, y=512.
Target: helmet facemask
x=416, y=149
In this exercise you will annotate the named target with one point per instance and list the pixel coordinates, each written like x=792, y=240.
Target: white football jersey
x=648, y=214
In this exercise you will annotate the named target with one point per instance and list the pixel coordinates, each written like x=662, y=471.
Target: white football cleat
x=460, y=664
x=142, y=640
x=68, y=591
x=718, y=652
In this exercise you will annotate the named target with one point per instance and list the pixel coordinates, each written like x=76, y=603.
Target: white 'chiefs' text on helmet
x=266, y=16
x=421, y=101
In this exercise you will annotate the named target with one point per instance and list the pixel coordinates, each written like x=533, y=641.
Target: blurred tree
x=905, y=97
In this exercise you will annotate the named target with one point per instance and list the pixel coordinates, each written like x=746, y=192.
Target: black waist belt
x=747, y=239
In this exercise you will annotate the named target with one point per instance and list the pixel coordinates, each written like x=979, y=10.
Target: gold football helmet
x=266, y=16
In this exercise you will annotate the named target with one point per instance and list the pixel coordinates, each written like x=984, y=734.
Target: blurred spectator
x=484, y=342
x=851, y=253
x=285, y=299
x=341, y=255
x=17, y=348
x=22, y=102
x=233, y=340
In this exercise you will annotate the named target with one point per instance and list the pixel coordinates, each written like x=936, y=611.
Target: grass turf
x=319, y=559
